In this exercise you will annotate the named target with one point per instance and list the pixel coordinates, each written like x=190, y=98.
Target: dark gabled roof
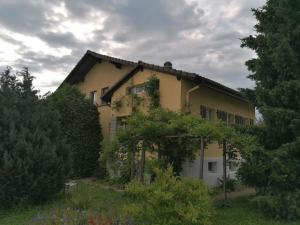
x=91, y=58
x=179, y=74
x=87, y=62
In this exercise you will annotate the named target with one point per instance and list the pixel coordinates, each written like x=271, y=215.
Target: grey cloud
x=150, y=30
x=59, y=39
x=50, y=84
x=22, y=16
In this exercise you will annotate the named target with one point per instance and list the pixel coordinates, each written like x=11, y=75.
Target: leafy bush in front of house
x=34, y=157
x=168, y=200
x=230, y=184
x=80, y=123
x=280, y=204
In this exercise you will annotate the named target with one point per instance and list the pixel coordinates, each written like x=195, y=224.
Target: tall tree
x=34, y=157
x=80, y=123
x=276, y=72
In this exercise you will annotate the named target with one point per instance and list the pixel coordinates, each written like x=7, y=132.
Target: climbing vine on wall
x=135, y=101
x=152, y=89
x=117, y=104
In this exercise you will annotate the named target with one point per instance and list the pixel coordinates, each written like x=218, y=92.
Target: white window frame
x=137, y=89
x=94, y=97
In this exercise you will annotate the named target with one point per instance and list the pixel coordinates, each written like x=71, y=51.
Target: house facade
x=110, y=82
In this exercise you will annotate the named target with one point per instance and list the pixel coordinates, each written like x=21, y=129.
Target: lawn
x=96, y=198
x=241, y=211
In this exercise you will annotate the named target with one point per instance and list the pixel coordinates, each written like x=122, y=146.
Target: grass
x=241, y=211
x=93, y=196
x=98, y=198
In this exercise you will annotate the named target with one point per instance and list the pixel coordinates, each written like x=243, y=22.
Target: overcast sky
x=199, y=36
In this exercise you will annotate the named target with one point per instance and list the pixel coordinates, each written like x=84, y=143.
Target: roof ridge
x=195, y=77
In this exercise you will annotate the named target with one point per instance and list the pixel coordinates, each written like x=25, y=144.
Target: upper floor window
x=240, y=120
x=93, y=97
x=103, y=91
x=137, y=89
x=206, y=112
x=222, y=115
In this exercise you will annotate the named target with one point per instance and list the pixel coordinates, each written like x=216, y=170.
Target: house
x=108, y=81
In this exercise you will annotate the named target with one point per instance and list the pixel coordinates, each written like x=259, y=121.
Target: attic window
x=137, y=89
x=103, y=92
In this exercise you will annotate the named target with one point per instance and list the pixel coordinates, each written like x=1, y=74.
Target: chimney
x=168, y=65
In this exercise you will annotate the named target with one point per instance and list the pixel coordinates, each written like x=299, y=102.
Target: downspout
x=187, y=102
x=187, y=97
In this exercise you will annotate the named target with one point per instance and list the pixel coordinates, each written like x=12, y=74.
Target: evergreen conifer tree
x=80, y=123
x=275, y=169
x=34, y=157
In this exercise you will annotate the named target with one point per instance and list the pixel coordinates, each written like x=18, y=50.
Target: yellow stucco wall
x=169, y=89
x=215, y=100
x=172, y=96
x=102, y=75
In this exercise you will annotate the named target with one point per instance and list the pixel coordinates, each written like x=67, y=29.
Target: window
x=251, y=122
x=137, y=89
x=230, y=119
x=239, y=120
x=93, y=96
x=121, y=123
x=233, y=165
x=222, y=115
x=103, y=91
x=212, y=167
x=206, y=112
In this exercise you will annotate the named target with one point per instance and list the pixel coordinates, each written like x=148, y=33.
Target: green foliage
x=117, y=161
x=34, y=157
x=280, y=204
x=117, y=104
x=230, y=184
x=243, y=211
x=80, y=123
x=105, y=201
x=171, y=136
x=135, y=101
x=156, y=132
x=274, y=167
x=152, y=89
x=169, y=200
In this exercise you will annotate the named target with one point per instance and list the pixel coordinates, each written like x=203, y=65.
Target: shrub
x=275, y=175
x=168, y=200
x=230, y=184
x=280, y=205
x=80, y=122
x=118, y=162
x=34, y=157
